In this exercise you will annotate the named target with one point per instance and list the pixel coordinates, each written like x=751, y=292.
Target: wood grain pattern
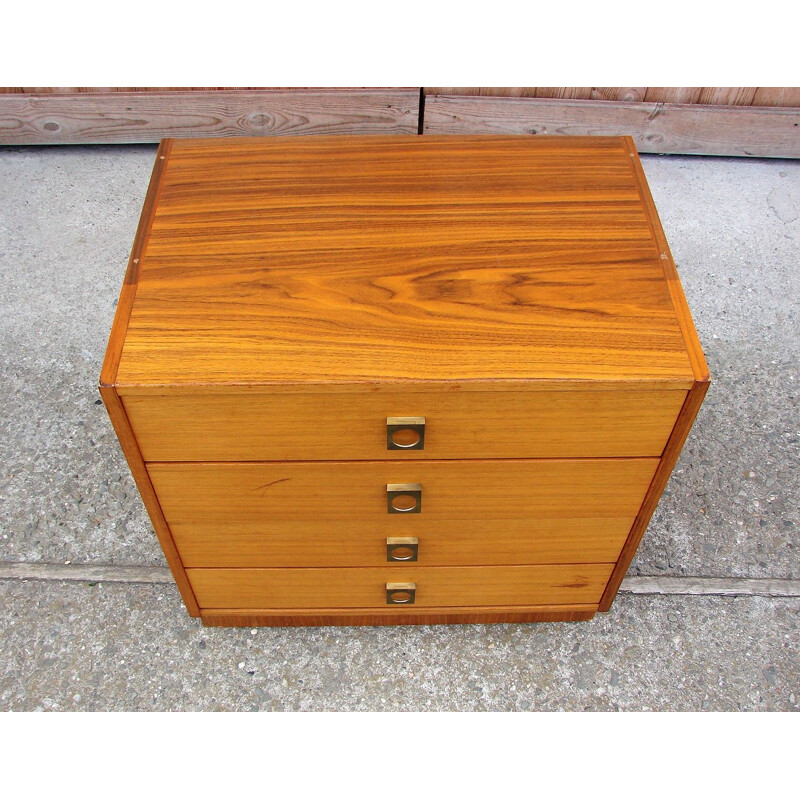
x=251, y=618
x=483, y=91
x=353, y=493
x=667, y=463
x=777, y=96
x=131, y=117
x=103, y=89
x=564, y=93
x=714, y=95
x=131, y=450
x=119, y=326
x=365, y=587
x=656, y=127
x=629, y=94
x=741, y=96
x=672, y=94
x=334, y=513
x=693, y=346
x=261, y=426
x=338, y=260
x=236, y=542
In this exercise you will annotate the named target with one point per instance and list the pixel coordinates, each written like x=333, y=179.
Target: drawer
x=519, y=541
x=257, y=426
x=366, y=587
x=476, y=512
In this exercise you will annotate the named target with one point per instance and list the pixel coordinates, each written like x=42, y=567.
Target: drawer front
x=255, y=426
x=526, y=541
x=433, y=587
x=476, y=512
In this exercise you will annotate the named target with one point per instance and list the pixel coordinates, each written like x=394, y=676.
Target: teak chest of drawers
x=377, y=380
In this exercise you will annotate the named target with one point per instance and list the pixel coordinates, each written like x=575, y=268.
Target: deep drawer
x=438, y=587
x=257, y=426
x=477, y=512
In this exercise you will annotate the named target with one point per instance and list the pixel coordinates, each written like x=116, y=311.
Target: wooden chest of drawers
x=379, y=380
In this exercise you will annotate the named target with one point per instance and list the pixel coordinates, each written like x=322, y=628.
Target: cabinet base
x=254, y=617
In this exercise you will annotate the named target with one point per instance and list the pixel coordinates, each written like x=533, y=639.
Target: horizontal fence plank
x=147, y=117
x=655, y=127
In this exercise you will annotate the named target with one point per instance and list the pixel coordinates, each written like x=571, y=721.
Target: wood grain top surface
x=361, y=261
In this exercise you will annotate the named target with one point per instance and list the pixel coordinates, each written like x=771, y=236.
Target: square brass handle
x=402, y=548
x=405, y=433
x=404, y=498
x=401, y=594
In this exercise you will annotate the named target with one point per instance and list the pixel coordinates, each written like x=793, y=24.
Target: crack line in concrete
x=97, y=573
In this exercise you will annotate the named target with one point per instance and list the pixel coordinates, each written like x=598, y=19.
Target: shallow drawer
x=525, y=541
x=366, y=587
x=474, y=512
x=256, y=426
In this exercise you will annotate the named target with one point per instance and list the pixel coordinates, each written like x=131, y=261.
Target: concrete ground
x=67, y=220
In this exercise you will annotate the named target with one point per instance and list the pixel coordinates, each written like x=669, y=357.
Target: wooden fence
x=742, y=121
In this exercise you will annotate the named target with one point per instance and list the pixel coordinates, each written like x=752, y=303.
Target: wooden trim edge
x=119, y=327
x=373, y=387
x=693, y=347
x=683, y=424
x=130, y=447
x=245, y=617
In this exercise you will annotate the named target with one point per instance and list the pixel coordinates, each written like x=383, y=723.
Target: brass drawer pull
x=405, y=433
x=402, y=548
x=404, y=498
x=401, y=594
